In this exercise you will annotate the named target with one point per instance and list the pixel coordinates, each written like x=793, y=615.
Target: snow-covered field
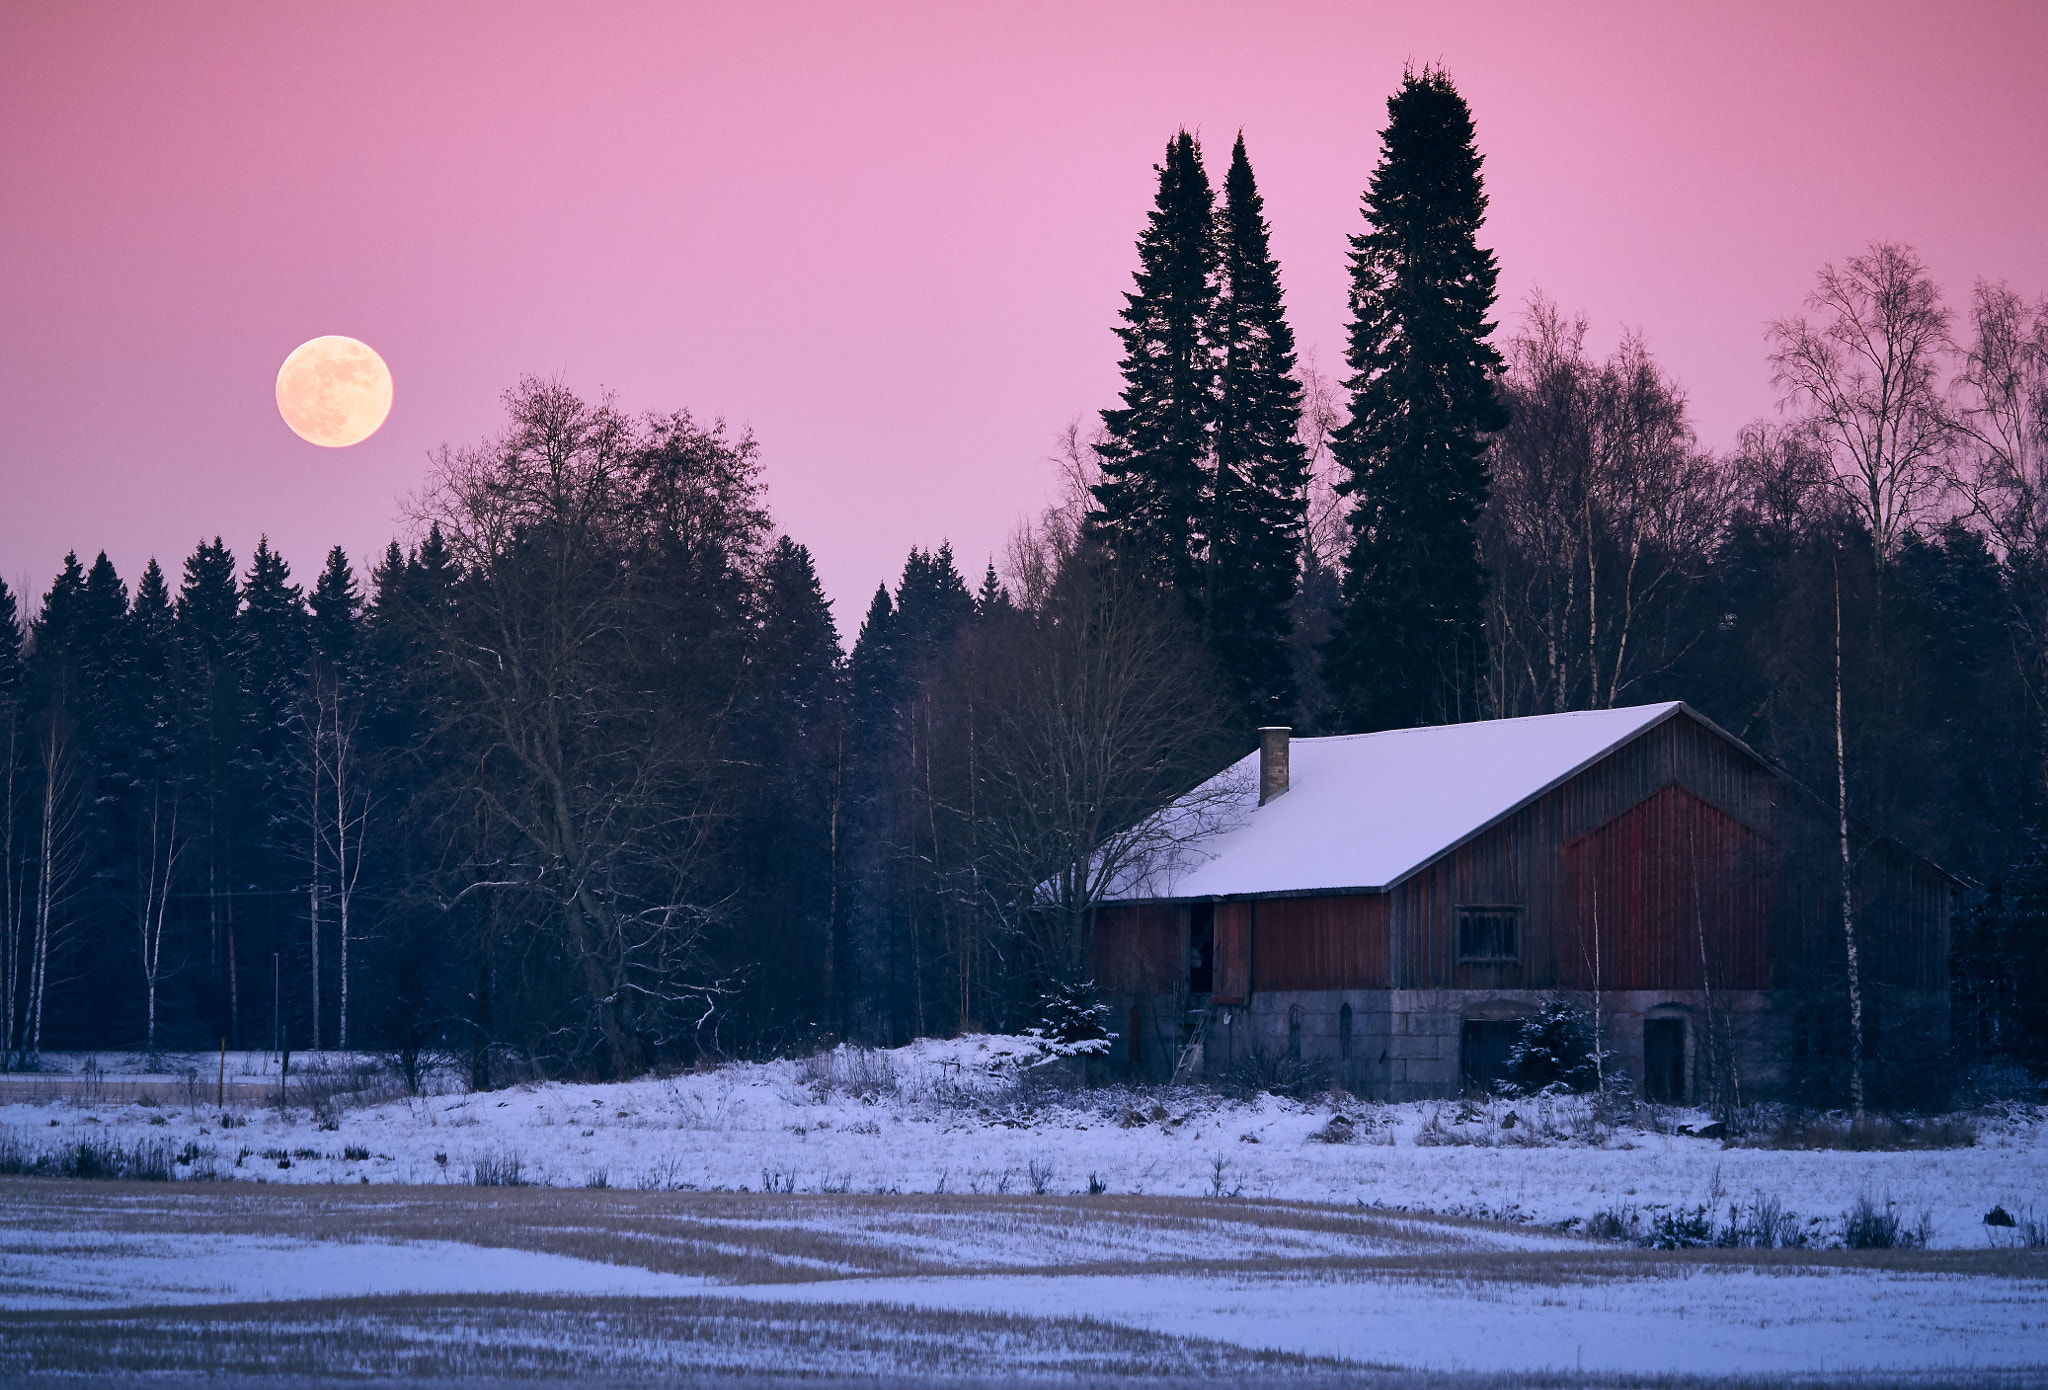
x=949, y=1116
x=925, y=1213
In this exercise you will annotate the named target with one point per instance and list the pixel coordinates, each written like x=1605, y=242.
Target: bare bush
x=1871, y=1224
x=496, y=1168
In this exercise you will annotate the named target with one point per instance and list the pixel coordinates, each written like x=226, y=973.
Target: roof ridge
x=1512, y=719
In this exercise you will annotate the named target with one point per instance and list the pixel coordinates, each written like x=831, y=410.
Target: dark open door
x=1664, y=1060
x=1483, y=1049
x=1202, y=948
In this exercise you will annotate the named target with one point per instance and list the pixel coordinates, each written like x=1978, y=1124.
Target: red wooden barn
x=1390, y=905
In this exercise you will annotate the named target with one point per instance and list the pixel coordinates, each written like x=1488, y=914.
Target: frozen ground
x=949, y=1117
x=943, y=1213
x=232, y=1279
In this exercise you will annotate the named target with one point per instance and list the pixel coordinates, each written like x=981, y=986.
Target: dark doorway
x=1202, y=948
x=1664, y=1060
x=1483, y=1052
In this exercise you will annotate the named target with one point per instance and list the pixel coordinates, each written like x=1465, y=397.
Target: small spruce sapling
x=1553, y=1053
x=1071, y=1022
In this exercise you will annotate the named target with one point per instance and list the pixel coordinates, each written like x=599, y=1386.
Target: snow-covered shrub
x=1554, y=1051
x=1276, y=1074
x=1624, y=1222
x=1072, y=1022
x=849, y=1069
x=1434, y=1133
x=1340, y=1129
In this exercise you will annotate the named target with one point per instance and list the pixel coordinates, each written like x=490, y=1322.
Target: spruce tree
x=783, y=850
x=209, y=614
x=1408, y=647
x=337, y=606
x=992, y=602
x=932, y=605
x=874, y=743
x=100, y=646
x=271, y=655
x=272, y=649
x=1149, y=505
x=15, y=878
x=1258, y=497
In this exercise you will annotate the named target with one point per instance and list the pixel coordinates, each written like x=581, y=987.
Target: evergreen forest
x=583, y=775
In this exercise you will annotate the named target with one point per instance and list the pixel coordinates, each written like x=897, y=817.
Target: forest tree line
x=582, y=777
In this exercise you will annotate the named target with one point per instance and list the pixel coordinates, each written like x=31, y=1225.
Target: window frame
x=1513, y=912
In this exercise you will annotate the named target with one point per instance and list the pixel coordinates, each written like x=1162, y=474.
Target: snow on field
x=950, y=1116
x=1723, y=1321
x=1733, y=1321
x=101, y=1269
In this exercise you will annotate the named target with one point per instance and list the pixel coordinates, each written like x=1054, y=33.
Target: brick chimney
x=1273, y=761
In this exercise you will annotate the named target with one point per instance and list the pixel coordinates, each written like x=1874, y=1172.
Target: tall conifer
x=1408, y=648
x=209, y=615
x=337, y=605
x=1258, y=496
x=1154, y=463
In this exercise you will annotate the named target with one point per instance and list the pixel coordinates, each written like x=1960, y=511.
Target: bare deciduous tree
x=2002, y=413
x=160, y=841
x=1324, y=407
x=1603, y=510
x=338, y=813
x=1864, y=374
x=1105, y=708
x=575, y=531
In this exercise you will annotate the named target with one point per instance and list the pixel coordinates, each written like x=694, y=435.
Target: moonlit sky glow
x=890, y=239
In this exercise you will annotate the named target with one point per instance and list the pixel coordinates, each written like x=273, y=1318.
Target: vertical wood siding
x=1680, y=896
x=1234, y=979
x=1138, y=949
x=1523, y=859
x=1321, y=943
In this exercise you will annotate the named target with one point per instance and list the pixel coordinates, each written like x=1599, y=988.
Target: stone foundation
x=1406, y=1044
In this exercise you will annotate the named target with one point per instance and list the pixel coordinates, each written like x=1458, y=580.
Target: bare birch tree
x=2002, y=412
x=337, y=784
x=1603, y=512
x=1864, y=374
x=160, y=840
x=60, y=861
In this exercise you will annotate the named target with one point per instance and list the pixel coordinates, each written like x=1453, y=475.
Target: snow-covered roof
x=1363, y=811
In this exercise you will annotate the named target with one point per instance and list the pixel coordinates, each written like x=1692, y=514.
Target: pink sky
x=891, y=240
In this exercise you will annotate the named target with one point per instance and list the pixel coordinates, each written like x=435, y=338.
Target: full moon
x=334, y=391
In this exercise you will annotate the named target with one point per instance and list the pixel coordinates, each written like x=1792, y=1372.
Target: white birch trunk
x=1848, y=877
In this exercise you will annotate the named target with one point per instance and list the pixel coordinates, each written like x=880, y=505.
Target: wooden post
x=220, y=1097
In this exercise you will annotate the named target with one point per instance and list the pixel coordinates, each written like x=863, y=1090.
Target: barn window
x=1490, y=934
x=1344, y=1032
